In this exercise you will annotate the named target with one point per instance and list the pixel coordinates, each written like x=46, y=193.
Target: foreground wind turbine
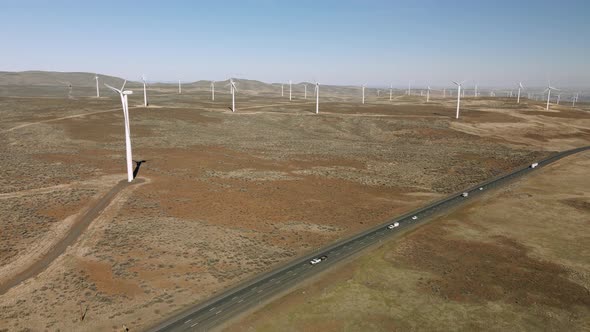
x=548, y=90
x=97, y=90
x=233, y=94
x=213, y=90
x=459, y=86
x=123, y=94
x=363, y=89
x=520, y=87
x=145, y=100
x=317, y=98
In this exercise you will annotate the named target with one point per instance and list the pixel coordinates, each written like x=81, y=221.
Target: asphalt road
x=220, y=308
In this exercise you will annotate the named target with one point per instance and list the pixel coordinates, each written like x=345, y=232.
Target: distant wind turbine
x=69, y=86
x=459, y=86
x=390, y=92
x=145, y=99
x=179, y=88
x=409, y=88
x=290, y=83
x=520, y=87
x=305, y=91
x=363, y=90
x=574, y=100
x=233, y=94
x=548, y=90
x=213, y=90
x=282, y=90
x=317, y=98
x=123, y=94
x=475, y=93
x=428, y=94
x=444, y=92
x=97, y=89
x=558, y=99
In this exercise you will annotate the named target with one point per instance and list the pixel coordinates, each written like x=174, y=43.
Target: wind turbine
x=475, y=94
x=97, y=90
x=123, y=94
x=233, y=94
x=459, y=86
x=548, y=90
x=145, y=100
x=290, y=83
x=179, y=88
x=520, y=87
x=305, y=91
x=574, y=100
x=558, y=98
x=390, y=92
x=444, y=92
x=317, y=98
x=409, y=88
x=363, y=89
x=428, y=94
x=282, y=90
x=212, y=90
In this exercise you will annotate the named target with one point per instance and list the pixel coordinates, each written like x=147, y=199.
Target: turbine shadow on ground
x=137, y=166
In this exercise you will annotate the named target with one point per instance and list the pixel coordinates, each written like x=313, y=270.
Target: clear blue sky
x=493, y=42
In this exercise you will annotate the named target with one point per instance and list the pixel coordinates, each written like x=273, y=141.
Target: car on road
x=315, y=261
x=415, y=218
x=534, y=165
x=480, y=188
x=318, y=260
x=465, y=194
x=394, y=225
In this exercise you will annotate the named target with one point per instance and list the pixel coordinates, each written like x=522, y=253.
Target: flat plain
x=225, y=196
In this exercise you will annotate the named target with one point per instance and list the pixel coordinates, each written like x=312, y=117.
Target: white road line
x=233, y=298
x=217, y=313
x=187, y=321
x=211, y=309
x=195, y=324
x=278, y=282
x=259, y=291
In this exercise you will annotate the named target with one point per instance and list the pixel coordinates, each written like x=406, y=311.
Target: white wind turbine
x=305, y=91
x=363, y=90
x=548, y=90
x=213, y=90
x=520, y=87
x=409, y=88
x=97, y=89
x=317, y=98
x=475, y=93
x=179, y=88
x=390, y=92
x=290, y=83
x=282, y=90
x=574, y=100
x=428, y=94
x=145, y=99
x=459, y=86
x=69, y=86
x=444, y=92
x=123, y=94
x=558, y=99
x=233, y=88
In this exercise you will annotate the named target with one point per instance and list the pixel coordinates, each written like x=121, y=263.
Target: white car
x=534, y=165
x=394, y=225
x=315, y=261
x=480, y=188
x=415, y=218
x=465, y=194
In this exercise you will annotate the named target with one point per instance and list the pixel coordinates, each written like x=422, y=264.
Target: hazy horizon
x=333, y=42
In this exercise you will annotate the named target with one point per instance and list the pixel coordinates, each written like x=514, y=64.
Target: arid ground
x=516, y=259
x=225, y=196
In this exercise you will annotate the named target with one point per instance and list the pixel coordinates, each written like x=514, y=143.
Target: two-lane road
x=213, y=312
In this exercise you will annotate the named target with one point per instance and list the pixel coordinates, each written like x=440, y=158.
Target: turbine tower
x=317, y=98
x=409, y=88
x=459, y=86
x=282, y=90
x=305, y=91
x=548, y=90
x=520, y=87
x=69, y=86
x=428, y=94
x=390, y=92
x=290, y=83
x=145, y=99
x=212, y=90
x=123, y=94
x=363, y=90
x=179, y=88
x=475, y=93
x=558, y=99
x=233, y=94
x=97, y=89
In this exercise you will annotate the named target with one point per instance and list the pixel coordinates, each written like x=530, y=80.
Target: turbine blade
x=114, y=89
